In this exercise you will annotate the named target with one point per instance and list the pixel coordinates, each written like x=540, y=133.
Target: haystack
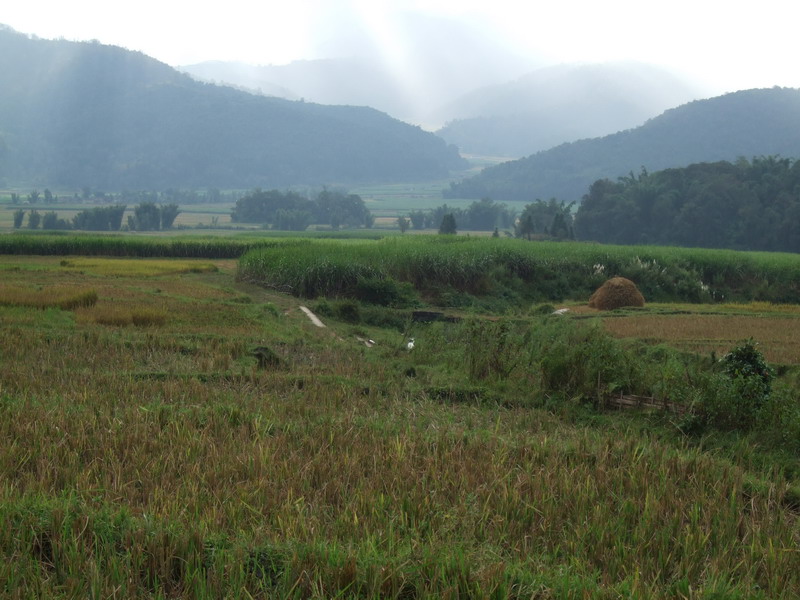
x=617, y=292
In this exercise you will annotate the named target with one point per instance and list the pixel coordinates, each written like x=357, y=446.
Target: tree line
x=292, y=211
x=87, y=193
x=746, y=205
x=481, y=215
x=147, y=216
x=538, y=220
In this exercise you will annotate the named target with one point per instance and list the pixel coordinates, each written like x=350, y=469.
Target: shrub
x=348, y=310
x=745, y=361
x=385, y=292
x=582, y=361
x=734, y=397
x=541, y=309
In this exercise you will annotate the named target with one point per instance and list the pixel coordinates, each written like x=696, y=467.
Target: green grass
x=524, y=271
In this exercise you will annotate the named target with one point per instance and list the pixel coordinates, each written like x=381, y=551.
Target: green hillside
x=741, y=124
x=86, y=114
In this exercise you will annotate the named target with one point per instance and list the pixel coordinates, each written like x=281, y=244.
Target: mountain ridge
x=558, y=104
x=747, y=123
x=85, y=114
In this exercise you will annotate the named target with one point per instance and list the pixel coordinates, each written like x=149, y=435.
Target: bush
x=734, y=397
x=385, y=292
x=745, y=361
x=583, y=361
x=348, y=310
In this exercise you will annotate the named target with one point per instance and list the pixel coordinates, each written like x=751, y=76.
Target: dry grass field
x=155, y=459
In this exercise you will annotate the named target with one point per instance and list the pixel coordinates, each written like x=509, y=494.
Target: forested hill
x=741, y=124
x=86, y=114
x=746, y=205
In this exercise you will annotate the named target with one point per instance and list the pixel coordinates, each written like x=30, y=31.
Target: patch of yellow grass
x=132, y=267
x=122, y=317
x=58, y=296
x=763, y=307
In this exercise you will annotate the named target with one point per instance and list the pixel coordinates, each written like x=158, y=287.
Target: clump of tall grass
x=63, y=297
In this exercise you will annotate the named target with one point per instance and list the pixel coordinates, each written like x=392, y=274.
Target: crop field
x=778, y=334
x=184, y=432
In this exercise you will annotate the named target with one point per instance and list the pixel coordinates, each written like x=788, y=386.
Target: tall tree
x=448, y=226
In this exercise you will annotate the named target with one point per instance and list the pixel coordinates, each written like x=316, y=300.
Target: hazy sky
x=725, y=45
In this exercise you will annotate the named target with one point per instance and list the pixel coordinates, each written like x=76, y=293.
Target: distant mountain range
x=85, y=114
x=425, y=62
x=762, y=122
x=560, y=104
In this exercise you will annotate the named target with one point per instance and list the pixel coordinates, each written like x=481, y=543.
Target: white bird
x=561, y=311
x=410, y=344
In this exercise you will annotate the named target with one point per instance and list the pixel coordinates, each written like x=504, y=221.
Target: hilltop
x=558, y=104
x=759, y=122
x=85, y=114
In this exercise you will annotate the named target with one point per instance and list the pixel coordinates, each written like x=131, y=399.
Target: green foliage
x=100, y=218
x=583, y=362
x=448, y=225
x=734, y=399
x=340, y=209
x=544, y=220
x=291, y=211
x=19, y=215
x=34, y=218
x=402, y=474
x=492, y=351
x=292, y=219
x=519, y=272
x=62, y=244
x=51, y=221
x=483, y=215
x=747, y=205
x=168, y=214
x=385, y=291
x=747, y=362
x=146, y=217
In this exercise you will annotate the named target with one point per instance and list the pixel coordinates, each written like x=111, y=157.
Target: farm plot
x=159, y=460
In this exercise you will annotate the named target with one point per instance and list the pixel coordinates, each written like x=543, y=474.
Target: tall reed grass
x=65, y=297
x=532, y=271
